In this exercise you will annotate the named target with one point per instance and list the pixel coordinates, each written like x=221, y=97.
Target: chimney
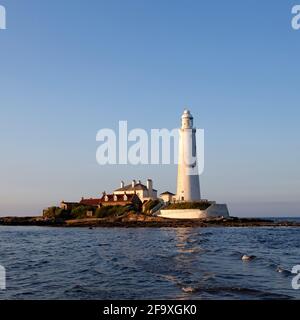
x=149, y=187
x=139, y=181
x=122, y=184
x=133, y=183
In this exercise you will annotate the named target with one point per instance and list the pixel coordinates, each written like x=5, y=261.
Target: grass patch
x=202, y=205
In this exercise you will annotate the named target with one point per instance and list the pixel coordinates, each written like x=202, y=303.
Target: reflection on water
x=148, y=263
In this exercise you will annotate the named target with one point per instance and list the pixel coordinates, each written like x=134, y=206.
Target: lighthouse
x=188, y=184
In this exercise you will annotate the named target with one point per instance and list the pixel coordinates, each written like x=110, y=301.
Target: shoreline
x=144, y=221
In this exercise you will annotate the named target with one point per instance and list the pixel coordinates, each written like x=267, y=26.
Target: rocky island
x=139, y=220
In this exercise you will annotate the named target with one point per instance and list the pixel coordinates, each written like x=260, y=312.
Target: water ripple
x=116, y=263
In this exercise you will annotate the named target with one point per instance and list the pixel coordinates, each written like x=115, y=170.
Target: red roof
x=90, y=202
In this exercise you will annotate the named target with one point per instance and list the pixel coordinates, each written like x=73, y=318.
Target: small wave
x=191, y=250
x=207, y=234
x=283, y=271
x=240, y=291
x=76, y=289
x=169, y=278
x=247, y=291
x=188, y=289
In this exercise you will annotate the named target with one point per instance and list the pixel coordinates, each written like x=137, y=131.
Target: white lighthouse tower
x=188, y=184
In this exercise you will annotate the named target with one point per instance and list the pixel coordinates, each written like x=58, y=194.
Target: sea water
x=149, y=263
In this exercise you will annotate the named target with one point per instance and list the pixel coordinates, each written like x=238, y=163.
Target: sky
x=70, y=68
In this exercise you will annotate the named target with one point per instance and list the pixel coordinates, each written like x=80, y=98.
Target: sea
x=149, y=263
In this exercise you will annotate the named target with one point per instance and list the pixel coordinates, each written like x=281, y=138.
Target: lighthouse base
x=213, y=211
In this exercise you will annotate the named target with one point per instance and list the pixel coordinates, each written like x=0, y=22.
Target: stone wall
x=214, y=211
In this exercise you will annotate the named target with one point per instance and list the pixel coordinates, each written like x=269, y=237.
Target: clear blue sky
x=69, y=68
